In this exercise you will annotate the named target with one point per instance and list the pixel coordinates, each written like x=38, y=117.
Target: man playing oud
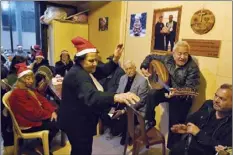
x=183, y=73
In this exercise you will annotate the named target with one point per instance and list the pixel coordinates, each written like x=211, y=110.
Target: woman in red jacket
x=32, y=111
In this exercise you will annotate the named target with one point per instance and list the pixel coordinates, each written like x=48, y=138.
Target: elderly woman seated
x=32, y=111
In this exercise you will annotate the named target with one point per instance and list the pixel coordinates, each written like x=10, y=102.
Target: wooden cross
x=201, y=15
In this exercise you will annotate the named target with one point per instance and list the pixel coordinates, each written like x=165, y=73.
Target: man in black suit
x=171, y=36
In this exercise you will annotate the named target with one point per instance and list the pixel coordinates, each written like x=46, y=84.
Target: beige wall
x=214, y=70
x=105, y=41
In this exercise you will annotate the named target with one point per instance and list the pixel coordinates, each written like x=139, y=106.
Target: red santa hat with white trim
x=83, y=46
x=22, y=69
x=39, y=54
x=36, y=48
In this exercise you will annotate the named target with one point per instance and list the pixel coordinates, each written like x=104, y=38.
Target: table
x=56, y=90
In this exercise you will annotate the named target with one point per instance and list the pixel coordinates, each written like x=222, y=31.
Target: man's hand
x=192, y=129
x=219, y=148
x=117, y=53
x=179, y=128
x=127, y=98
x=118, y=113
x=145, y=72
x=171, y=93
x=53, y=117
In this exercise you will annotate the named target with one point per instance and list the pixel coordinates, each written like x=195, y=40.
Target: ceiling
x=82, y=5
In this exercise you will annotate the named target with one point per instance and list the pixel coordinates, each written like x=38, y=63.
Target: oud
x=159, y=79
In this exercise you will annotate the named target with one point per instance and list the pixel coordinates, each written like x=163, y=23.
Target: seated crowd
x=206, y=132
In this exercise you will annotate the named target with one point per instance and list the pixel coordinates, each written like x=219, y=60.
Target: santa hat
x=36, y=47
x=83, y=46
x=19, y=46
x=22, y=69
x=39, y=54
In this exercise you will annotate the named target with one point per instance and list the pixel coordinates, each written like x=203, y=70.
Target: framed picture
x=165, y=29
x=138, y=25
x=103, y=24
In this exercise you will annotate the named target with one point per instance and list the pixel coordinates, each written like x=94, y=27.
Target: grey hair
x=129, y=62
x=226, y=86
x=181, y=44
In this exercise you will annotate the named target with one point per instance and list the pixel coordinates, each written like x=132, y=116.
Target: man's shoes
x=149, y=124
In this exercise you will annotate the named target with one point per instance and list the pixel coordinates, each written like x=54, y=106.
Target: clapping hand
x=192, y=129
x=179, y=128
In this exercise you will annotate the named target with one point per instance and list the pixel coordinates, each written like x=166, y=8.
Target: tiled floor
x=101, y=146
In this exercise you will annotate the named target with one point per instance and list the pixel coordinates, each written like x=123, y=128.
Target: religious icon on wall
x=202, y=21
x=138, y=25
x=103, y=24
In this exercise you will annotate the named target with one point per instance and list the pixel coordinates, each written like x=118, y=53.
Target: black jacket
x=44, y=62
x=204, y=143
x=81, y=101
x=111, y=82
x=185, y=76
x=172, y=34
x=61, y=68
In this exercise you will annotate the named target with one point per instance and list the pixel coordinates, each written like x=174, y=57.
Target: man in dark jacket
x=171, y=36
x=83, y=98
x=208, y=127
x=184, y=73
x=111, y=82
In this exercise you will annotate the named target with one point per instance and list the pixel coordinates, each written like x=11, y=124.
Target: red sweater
x=27, y=110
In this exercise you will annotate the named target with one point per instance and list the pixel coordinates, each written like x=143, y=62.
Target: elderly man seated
x=130, y=82
x=209, y=127
x=32, y=111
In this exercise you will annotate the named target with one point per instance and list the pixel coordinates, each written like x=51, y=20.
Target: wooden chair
x=141, y=137
x=44, y=135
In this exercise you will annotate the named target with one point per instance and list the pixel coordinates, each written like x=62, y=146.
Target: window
x=5, y=21
x=22, y=16
x=28, y=21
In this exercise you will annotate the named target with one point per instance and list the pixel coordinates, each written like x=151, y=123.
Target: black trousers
x=80, y=145
x=170, y=39
x=178, y=111
x=46, y=125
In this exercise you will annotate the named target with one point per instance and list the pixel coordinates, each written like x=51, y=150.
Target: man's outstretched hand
x=126, y=98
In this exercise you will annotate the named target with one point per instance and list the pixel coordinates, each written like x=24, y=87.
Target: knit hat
x=39, y=54
x=22, y=69
x=83, y=46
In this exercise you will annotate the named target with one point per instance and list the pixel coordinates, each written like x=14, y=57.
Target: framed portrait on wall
x=103, y=24
x=165, y=29
x=138, y=25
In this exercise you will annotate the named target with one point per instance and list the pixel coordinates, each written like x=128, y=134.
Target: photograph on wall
x=138, y=25
x=103, y=24
x=165, y=30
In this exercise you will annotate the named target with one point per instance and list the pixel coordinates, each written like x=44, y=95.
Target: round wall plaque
x=202, y=21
